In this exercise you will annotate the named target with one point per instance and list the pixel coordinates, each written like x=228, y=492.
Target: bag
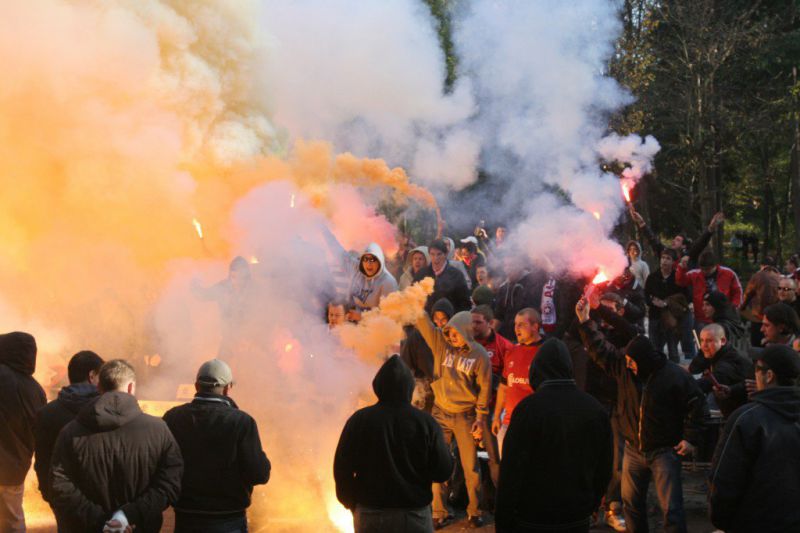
x=677, y=307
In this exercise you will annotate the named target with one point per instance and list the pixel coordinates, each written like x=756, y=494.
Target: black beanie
x=444, y=305
x=716, y=299
x=648, y=359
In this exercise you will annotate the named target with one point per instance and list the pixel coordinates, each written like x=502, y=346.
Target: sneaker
x=615, y=521
x=439, y=523
x=475, y=522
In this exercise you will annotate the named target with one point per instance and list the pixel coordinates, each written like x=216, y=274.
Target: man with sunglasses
x=755, y=473
x=787, y=293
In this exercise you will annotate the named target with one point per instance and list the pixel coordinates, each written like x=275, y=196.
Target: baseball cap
x=471, y=239
x=782, y=360
x=215, y=372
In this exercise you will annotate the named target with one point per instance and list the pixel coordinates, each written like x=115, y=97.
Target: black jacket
x=390, y=453
x=49, y=422
x=513, y=297
x=222, y=455
x=729, y=367
x=114, y=457
x=657, y=286
x=416, y=354
x=558, y=433
x=755, y=474
x=671, y=402
x=449, y=284
x=20, y=398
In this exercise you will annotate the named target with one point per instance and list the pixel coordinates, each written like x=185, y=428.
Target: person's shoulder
x=177, y=411
x=745, y=415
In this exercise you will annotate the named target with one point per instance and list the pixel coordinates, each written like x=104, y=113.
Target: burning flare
x=197, y=227
x=627, y=187
x=599, y=278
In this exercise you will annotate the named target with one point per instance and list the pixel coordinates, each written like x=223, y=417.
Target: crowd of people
x=580, y=395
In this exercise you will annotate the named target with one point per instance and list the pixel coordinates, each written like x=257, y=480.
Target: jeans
x=664, y=467
x=459, y=426
x=687, y=337
x=614, y=490
x=12, y=518
x=660, y=336
x=196, y=523
x=368, y=520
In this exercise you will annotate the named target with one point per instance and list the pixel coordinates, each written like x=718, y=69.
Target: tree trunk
x=795, y=168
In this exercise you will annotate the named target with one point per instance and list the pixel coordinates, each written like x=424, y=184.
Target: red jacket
x=496, y=346
x=727, y=283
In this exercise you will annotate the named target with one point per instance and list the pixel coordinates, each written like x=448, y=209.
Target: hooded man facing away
x=369, y=279
x=20, y=398
x=83, y=370
x=388, y=455
x=114, y=466
x=462, y=387
x=559, y=433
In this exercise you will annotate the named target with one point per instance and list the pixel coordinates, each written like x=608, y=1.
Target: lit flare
x=198, y=227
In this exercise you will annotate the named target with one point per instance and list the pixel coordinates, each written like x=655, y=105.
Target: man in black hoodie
x=114, y=466
x=388, y=456
x=660, y=409
x=20, y=398
x=755, y=474
x=83, y=370
x=222, y=456
x=558, y=433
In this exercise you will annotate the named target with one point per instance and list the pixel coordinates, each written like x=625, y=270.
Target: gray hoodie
x=407, y=279
x=462, y=377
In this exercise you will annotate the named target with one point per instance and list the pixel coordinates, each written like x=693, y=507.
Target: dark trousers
x=614, y=490
x=196, y=523
x=493, y=450
x=660, y=336
x=663, y=466
x=368, y=520
x=687, y=338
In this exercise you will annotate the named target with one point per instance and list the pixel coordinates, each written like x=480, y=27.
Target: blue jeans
x=664, y=467
x=687, y=338
x=660, y=336
x=614, y=491
x=193, y=523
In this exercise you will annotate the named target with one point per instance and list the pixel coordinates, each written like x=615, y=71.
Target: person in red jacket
x=710, y=276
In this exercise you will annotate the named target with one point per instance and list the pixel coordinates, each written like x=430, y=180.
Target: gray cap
x=215, y=372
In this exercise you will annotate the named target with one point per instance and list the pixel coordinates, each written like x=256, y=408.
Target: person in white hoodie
x=418, y=259
x=639, y=268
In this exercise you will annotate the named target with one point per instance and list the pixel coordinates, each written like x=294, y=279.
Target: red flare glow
x=627, y=186
x=600, y=278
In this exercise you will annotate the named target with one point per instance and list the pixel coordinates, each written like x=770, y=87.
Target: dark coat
x=390, y=453
x=20, y=399
x=222, y=455
x=729, y=367
x=449, y=284
x=667, y=396
x=114, y=457
x=514, y=296
x=755, y=474
x=558, y=433
x=49, y=422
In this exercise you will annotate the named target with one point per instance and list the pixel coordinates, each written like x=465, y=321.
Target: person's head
x=239, y=271
x=792, y=264
x=468, y=247
x=214, y=377
x=707, y=262
x=787, y=289
x=552, y=362
x=370, y=264
x=117, y=375
x=500, y=233
x=84, y=367
x=634, y=250
x=482, y=315
x=780, y=321
x=526, y=325
x=642, y=358
x=336, y=313
x=667, y=260
x=678, y=242
x=613, y=301
x=437, y=250
x=482, y=275
x=777, y=366
x=441, y=312
x=513, y=265
x=768, y=262
x=458, y=331
x=714, y=302
x=418, y=260
x=712, y=338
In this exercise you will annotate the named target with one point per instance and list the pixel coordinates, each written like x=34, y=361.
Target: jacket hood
x=717, y=300
x=462, y=323
x=109, y=411
x=648, y=359
x=552, y=362
x=783, y=400
x=75, y=396
x=451, y=246
x=18, y=352
x=444, y=305
x=373, y=249
x=393, y=383
x=636, y=244
x=424, y=251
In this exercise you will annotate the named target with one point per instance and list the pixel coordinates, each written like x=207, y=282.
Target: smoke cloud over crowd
x=121, y=122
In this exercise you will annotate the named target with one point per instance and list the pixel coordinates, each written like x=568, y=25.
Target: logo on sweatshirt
x=512, y=379
x=461, y=364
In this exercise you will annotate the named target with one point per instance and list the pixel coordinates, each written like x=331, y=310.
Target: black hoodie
x=20, y=399
x=390, y=453
x=49, y=422
x=729, y=367
x=112, y=457
x=558, y=433
x=755, y=474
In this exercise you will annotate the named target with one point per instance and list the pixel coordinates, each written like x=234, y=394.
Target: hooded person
x=558, y=433
x=661, y=416
x=418, y=259
x=83, y=371
x=718, y=307
x=21, y=397
x=462, y=387
x=455, y=263
x=639, y=268
x=755, y=473
x=388, y=456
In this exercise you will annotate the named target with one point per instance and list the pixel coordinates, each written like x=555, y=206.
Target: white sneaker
x=615, y=521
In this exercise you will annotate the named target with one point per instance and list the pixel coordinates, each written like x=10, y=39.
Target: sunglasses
x=785, y=289
x=369, y=259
